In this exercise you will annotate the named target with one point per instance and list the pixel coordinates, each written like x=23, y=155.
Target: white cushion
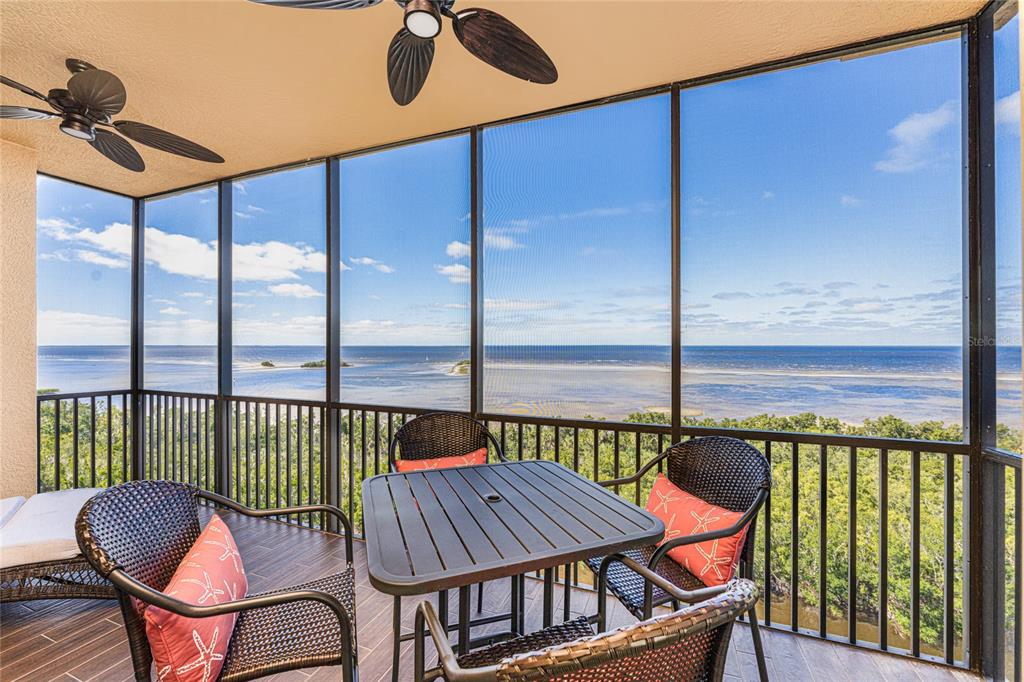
x=8, y=506
x=43, y=529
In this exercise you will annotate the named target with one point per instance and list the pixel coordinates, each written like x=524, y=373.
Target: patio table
x=433, y=530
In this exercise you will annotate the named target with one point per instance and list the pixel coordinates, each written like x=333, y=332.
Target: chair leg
x=479, y=597
x=397, y=637
x=755, y=634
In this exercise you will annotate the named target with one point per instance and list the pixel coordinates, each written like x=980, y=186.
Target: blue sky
x=821, y=205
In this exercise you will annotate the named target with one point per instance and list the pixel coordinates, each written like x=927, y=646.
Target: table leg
x=522, y=603
x=549, y=593
x=514, y=615
x=465, y=597
x=442, y=608
x=397, y=635
x=567, y=606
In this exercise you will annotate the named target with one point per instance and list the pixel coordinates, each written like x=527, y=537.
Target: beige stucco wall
x=17, y=320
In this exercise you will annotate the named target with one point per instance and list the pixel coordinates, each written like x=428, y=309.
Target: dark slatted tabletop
x=437, y=529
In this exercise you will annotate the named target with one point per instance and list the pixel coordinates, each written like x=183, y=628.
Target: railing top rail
x=47, y=397
x=1004, y=457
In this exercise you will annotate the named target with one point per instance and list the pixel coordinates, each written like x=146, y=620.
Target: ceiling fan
x=486, y=34
x=85, y=108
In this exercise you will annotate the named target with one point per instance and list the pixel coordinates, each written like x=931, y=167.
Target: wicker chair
x=135, y=535
x=63, y=579
x=688, y=644
x=429, y=436
x=726, y=472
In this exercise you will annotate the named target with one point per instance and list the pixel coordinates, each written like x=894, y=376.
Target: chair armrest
x=650, y=577
x=498, y=450
x=147, y=594
x=448, y=666
x=740, y=524
x=286, y=511
x=626, y=480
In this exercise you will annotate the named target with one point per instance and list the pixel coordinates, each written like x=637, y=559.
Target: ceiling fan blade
x=24, y=88
x=118, y=150
x=98, y=90
x=24, y=113
x=409, y=60
x=320, y=4
x=77, y=65
x=165, y=141
x=497, y=41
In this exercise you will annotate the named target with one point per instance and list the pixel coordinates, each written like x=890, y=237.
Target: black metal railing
x=862, y=540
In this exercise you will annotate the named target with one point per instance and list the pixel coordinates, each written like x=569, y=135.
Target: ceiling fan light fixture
x=78, y=127
x=423, y=19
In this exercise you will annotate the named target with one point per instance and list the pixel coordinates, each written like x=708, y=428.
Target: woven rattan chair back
x=440, y=434
x=144, y=528
x=688, y=644
x=726, y=472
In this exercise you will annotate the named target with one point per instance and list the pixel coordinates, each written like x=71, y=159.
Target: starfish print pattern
x=232, y=590
x=229, y=552
x=703, y=520
x=664, y=499
x=671, y=531
x=206, y=657
x=713, y=561
x=162, y=673
x=209, y=591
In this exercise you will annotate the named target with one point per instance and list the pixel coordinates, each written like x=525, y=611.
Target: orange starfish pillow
x=467, y=460
x=712, y=561
x=193, y=649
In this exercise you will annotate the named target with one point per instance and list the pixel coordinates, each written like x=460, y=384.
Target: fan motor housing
x=78, y=127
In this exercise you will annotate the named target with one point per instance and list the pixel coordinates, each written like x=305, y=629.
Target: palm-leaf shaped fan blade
x=320, y=4
x=409, y=60
x=98, y=91
x=165, y=141
x=24, y=113
x=24, y=88
x=497, y=41
x=118, y=150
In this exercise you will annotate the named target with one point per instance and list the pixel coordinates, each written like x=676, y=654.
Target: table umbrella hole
x=493, y=497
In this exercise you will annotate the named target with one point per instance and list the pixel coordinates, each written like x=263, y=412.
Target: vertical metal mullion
x=476, y=248
x=332, y=455
x=883, y=549
x=137, y=340
x=39, y=446
x=984, y=513
x=915, y=553
x=676, y=276
x=222, y=438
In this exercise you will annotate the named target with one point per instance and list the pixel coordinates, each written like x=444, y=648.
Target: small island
x=47, y=391
x=266, y=363
x=320, y=364
x=461, y=368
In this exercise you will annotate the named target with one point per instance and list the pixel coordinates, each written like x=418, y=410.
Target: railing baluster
x=576, y=449
x=110, y=441
x=794, y=546
x=767, y=599
x=851, y=594
x=351, y=467
x=915, y=553
x=519, y=437
x=537, y=428
x=376, y=442
x=636, y=468
x=248, y=461
x=74, y=444
x=39, y=446
x=823, y=541
x=947, y=532
x=92, y=442
x=298, y=464
x=597, y=445
x=56, y=445
x=277, y=455
x=883, y=549
x=309, y=455
x=1018, y=581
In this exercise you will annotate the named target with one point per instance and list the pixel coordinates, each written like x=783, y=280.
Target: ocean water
x=848, y=382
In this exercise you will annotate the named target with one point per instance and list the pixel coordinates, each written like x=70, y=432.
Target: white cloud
x=500, y=242
x=375, y=264
x=767, y=195
x=193, y=294
x=913, y=139
x=849, y=200
x=273, y=261
x=59, y=327
x=457, y=273
x=518, y=305
x=99, y=259
x=55, y=255
x=171, y=310
x=183, y=332
x=1008, y=110
x=294, y=290
x=164, y=301
x=457, y=249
